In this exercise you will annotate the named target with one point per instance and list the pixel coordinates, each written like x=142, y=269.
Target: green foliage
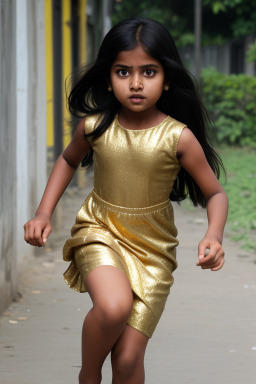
x=240, y=14
x=241, y=190
x=218, y=6
x=222, y=20
x=230, y=101
x=251, y=53
x=240, y=186
x=176, y=17
x=225, y=5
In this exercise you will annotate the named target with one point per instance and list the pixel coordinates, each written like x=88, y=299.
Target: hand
x=37, y=230
x=210, y=254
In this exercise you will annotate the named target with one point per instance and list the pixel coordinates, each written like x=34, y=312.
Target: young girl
x=142, y=119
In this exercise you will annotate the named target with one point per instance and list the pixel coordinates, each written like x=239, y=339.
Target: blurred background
x=43, y=41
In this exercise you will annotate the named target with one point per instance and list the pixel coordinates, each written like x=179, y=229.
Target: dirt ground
x=206, y=335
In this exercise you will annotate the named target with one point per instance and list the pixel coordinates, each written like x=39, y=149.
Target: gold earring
x=166, y=87
x=109, y=88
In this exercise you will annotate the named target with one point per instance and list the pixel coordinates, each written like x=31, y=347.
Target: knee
x=125, y=363
x=113, y=313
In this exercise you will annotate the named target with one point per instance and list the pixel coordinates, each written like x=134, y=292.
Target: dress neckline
x=141, y=130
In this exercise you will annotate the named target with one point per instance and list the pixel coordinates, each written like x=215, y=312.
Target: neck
x=140, y=120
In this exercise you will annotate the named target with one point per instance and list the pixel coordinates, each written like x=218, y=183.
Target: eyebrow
x=140, y=66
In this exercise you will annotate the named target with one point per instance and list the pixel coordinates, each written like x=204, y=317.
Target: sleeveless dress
x=127, y=220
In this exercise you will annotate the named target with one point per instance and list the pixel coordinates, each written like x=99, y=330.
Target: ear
x=109, y=85
x=167, y=84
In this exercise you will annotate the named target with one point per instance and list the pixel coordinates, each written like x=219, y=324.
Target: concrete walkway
x=207, y=334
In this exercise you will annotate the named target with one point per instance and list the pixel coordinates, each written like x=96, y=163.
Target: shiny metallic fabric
x=127, y=221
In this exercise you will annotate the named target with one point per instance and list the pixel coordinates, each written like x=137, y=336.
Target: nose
x=136, y=82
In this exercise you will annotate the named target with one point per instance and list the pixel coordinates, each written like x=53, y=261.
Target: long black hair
x=90, y=94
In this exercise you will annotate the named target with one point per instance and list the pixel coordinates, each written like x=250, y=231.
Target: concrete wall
x=23, y=154
x=31, y=112
x=22, y=130
x=227, y=58
x=8, y=216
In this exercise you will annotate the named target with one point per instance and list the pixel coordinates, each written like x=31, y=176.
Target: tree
x=242, y=12
x=243, y=21
x=251, y=53
x=222, y=20
x=168, y=12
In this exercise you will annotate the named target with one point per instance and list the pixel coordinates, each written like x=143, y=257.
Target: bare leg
x=112, y=299
x=128, y=357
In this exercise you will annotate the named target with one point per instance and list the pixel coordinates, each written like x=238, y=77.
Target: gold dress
x=127, y=221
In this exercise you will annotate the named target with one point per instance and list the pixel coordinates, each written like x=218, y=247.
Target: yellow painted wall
x=49, y=72
x=66, y=22
x=66, y=64
x=82, y=31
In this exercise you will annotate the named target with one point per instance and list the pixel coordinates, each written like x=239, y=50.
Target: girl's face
x=137, y=80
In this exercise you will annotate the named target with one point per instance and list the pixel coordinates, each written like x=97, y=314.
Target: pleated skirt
x=139, y=241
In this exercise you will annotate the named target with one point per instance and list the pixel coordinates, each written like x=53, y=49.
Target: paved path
x=207, y=334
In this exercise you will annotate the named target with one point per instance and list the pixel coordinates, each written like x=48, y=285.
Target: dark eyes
x=149, y=72
x=123, y=72
x=146, y=72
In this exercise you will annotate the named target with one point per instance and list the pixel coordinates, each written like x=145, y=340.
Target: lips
x=136, y=96
x=136, y=99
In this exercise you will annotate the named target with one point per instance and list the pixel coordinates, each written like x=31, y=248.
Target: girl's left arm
x=193, y=160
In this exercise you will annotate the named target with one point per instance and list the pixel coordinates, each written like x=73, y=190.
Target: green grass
x=240, y=186
x=241, y=190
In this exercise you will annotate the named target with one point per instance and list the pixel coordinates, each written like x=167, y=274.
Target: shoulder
x=189, y=145
x=175, y=124
x=171, y=134
x=88, y=124
x=174, y=129
x=91, y=122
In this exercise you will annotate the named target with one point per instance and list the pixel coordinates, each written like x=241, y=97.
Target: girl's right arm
x=39, y=228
